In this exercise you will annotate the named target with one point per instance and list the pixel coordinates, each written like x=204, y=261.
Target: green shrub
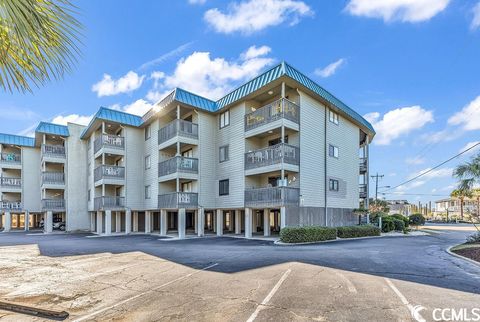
x=417, y=219
x=387, y=224
x=398, y=224
x=401, y=217
x=357, y=231
x=307, y=234
x=375, y=215
x=474, y=238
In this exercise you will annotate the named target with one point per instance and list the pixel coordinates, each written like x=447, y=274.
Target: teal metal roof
x=50, y=128
x=17, y=140
x=116, y=116
x=189, y=98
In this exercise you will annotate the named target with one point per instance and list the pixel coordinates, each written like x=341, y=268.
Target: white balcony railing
x=10, y=158
x=109, y=172
x=282, y=108
x=272, y=197
x=10, y=182
x=178, y=128
x=178, y=164
x=53, y=177
x=53, y=204
x=362, y=188
x=109, y=202
x=272, y=155
x=109, y=141
x=53, y=151
x=176, y=200
x=10, y=205
x=363, y=165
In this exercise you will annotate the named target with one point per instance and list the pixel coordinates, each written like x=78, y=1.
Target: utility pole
x=376, y=178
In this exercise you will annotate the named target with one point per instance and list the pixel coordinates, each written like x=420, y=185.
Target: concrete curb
x=448, y=250
x=279, y=243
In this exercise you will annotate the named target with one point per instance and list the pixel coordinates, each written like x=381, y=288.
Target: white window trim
x=333, y=117
x=149, y=158
x=148, y=192
x=224, y=119
x=226, y=153
x=335, y=149
x=332, y=187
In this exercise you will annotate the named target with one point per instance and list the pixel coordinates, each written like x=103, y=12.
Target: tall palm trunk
x=461, y=208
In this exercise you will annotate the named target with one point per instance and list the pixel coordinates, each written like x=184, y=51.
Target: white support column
x=148, y=222
x=108, y=222
x=163, y=222
x=92, y=222
x=128, y=221
x=231, y=218
x=8, y=221
x=181, y=223
x=214, y=221
x=248, y=222
x=135, y=221
x=238, y=222
x=99, y=222
x=48, y=225
x=219, y=222
x=266, y=222
x=118, y=222
x=27, y=221
x=201, y=222
x=283, y=217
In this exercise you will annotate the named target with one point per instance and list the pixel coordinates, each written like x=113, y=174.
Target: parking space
x=140, y=278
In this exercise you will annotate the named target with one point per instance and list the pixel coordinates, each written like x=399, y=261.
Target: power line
x=435, y=167
x=412, y=194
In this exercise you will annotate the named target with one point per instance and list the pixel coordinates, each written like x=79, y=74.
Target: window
x=147, y=162
x=333, y=117
x=333, y=185
x=148, y=132
x=187, y=186
x=147, y=192
x=188, y=153
x=89, y=195
x=223, y=187
x=223, y=153
x=333, y=151
x=225, y=119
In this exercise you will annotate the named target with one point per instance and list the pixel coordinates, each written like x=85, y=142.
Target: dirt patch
x=472, y=252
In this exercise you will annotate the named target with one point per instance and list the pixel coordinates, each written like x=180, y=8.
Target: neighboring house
x=453, y=206
x=277, y=151
x=399, y=207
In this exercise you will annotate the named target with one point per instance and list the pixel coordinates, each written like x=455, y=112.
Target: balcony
x=53, y=178
x=282, y=109
x=270, y=159
x=10, y=205
x=11, y=184
x=10, y=159
x=176, y=200
x=110, y=142
x=53, y=151
x=187, y=131
x=272, y=197
x=109, y=203
x=362, y=189
x=110, y=173
x=186, y=167
x=53, y=204
x=363, y=165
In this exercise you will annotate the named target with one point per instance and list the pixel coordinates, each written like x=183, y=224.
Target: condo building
x=277, y=151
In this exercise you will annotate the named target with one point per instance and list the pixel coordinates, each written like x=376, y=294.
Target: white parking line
x=269, y=296
x=404, y=300
x=350, y=286
x=89, y=316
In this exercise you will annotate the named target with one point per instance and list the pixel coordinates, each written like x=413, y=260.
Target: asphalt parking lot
x=142, y=278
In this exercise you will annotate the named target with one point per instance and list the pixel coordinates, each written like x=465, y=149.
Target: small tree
x=461, y=194
x=416, y=220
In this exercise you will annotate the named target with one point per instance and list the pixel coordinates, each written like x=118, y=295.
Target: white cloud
x=469, y=117
x=415, y=161
x=254, y=15
x=470, y=145
x=476, y=16
x=434, y=174
x=211, y=77
x=330, y=69
x=398, y=122
x=197, y=1
x=397, y=10
x=139, y=107
x=72, y=118
x=126, y=84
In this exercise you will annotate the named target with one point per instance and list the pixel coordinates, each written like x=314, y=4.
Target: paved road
x=143, y=278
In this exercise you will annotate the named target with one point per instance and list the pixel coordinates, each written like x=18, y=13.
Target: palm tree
x=38, y=41
x=468, y=174
x=461, y=195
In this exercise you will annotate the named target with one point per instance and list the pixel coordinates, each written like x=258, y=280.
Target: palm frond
x=39, y=41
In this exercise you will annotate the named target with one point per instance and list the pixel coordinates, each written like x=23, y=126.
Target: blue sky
x=412, y=67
